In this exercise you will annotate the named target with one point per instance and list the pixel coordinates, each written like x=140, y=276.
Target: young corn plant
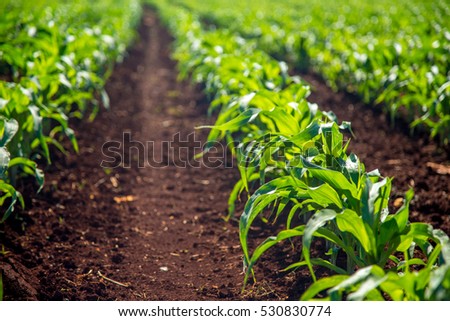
x=349, y=211
x=262, y=122
x=8, y=128
x=430, y=282
x=308, y=187
x=54, y=60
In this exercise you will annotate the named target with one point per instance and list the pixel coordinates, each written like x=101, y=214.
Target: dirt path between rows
x=157, y=232
x=142, y=230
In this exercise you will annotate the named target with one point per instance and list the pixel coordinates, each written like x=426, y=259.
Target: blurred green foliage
x=55, y=57
x=393, y=53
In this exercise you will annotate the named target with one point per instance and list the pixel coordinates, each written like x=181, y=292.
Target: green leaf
x=305, y=135
x=422, y=232
x=236, y=123
x=30, y=168
x=440, y=237
x=367, y=289
x=402, y=215
x=38, y=131
x=354, y=168
x=105, y=99
x=322, y=285
x=409, y=262
x=318, y=262
x=237, y=189
x=393, y=287
x=286, y=124
x=291, y=214
x=318, y=220
x=15, y=196
x=349, y=221
x=8, y=128
x=375, y=198
x=396, y=225
x=268, y=243
x=361, y=275
x=432, y=258
x=335, y=179
x=332, y=139
x=325, y=195
x=63, y=80
x=265, y=195
x=4, y=161
x=71, y=135
x=439, y=285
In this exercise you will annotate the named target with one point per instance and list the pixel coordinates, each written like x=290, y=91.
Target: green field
x=294, y=159
x=391, y=54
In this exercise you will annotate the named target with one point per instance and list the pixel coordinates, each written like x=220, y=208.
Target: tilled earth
x=154, y=228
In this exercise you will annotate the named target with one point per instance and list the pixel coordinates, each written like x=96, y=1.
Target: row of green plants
x=308, y=183
x=55, y=57
x=389, y=53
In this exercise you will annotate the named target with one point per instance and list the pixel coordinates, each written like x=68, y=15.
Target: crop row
x=390, y=53
x=54, y=60
x=307, y=180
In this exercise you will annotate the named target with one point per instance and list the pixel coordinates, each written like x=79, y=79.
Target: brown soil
x=158, y=232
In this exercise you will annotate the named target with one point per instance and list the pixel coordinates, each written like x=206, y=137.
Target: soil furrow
x=149, y=223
